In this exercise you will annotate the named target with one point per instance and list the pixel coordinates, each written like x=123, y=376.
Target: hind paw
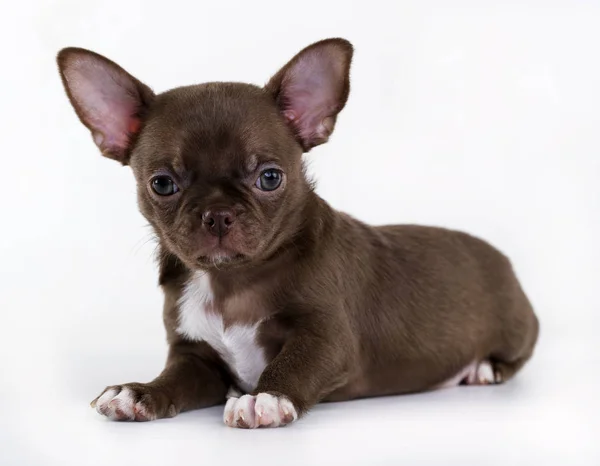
x=482, y=374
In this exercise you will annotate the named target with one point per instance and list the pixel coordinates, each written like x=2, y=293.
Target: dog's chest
x=236, y=344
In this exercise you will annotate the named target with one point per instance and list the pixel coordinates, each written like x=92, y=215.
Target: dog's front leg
x=309, y=367
x=191, y=379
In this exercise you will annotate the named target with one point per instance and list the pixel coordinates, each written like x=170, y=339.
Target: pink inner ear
x=107, y=100
x=312, y=90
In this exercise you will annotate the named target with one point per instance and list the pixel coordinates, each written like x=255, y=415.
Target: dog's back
x=428, y=302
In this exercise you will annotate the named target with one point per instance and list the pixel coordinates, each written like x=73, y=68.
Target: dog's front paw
x=262, y=410
x=134, y=402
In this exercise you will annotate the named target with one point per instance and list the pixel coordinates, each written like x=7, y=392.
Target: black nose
x=218, y=221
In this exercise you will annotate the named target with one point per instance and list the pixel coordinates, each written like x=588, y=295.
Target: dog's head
x=218, y=165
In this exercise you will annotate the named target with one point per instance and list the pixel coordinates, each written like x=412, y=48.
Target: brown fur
x=349, y=310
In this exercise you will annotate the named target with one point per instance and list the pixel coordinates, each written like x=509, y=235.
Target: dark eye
x=163, y=185
x=269, y=180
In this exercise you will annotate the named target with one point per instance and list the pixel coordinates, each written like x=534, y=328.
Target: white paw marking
x=474, y=374
x=262, y=410
x=236, y=344
x=482, y=374
x=121, y=406
x=485, y=373
x=458, y=378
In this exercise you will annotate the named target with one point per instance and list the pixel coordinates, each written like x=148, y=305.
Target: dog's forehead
x=216, y=127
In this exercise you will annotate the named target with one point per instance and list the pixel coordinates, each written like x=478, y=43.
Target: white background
x=481, y=116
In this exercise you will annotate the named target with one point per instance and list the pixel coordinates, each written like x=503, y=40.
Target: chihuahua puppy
x=274, y=301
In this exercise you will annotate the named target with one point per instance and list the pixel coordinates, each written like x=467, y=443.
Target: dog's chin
x=220, y=261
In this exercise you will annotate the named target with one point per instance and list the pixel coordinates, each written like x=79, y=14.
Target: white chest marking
x=236, y=345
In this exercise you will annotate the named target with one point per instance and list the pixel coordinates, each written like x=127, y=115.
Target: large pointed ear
x=109, y=101
x=313, y=88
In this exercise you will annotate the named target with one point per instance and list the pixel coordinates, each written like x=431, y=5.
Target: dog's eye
x=164, y=185
x=269, y=180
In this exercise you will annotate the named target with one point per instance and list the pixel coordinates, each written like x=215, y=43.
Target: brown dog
x=273, y=299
